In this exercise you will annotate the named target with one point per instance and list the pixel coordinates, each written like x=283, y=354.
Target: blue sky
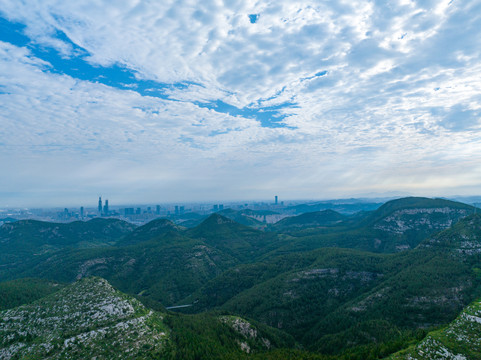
x=146, y=101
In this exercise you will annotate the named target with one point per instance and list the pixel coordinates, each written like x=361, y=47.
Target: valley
x=319, y=285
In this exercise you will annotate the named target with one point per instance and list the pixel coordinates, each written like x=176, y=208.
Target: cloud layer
x=176, y=100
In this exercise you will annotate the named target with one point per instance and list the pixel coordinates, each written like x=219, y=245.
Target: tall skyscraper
x=106, y=207
x=157, y=209
x=81, y=212
x=100, y=204
x=275, y=200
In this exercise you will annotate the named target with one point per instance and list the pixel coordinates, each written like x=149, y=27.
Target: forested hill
x=25, y=238
x=358, y=287
x=396, y=226
x=309, y=220
x=90, y=319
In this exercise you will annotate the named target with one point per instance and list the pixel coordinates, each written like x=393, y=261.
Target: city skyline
x=238, y=100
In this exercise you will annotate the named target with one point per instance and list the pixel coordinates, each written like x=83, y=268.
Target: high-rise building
x=157, y=209
x=216, y=207
x=176, y=210
x=81, y=212
x=129, y=211
x=275, y=200
x=100, y=204
x=221, y=207
x=106, y=207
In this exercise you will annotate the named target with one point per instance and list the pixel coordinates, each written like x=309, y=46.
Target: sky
x=145, y=101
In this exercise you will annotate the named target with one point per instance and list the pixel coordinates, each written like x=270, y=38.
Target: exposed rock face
x=363, y=276
x=222, y=220
x=404, y=220
x=248, y=332
x=460, y=340
x=84, y=320
x=463, y=240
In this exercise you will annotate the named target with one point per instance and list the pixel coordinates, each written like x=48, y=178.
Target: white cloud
x=382, y=90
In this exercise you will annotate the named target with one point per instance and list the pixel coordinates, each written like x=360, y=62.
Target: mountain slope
x=24, y=291
x=459, y=340
x=25, y=238
x=165, y=269
x=308, y=220
x=241, y=217
x=330, y=298
x=84, y=320
x=90, y=319
x=343, y=303
x=162, y=263
x=396, y=226
x=149, y=231
x=419, y=205
x=237, y=240
x=463, y=239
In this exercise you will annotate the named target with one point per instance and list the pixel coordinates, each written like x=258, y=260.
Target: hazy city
x=268, y=212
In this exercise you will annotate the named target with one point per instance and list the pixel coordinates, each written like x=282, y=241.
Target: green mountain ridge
x=342, y=291
x=25, y=238
x=166, y=271
x=398, y=225
x=90, y=319
x=326, y=295
x=243, y=217
x=153, y=229
x=237, y=240
x=310, y=219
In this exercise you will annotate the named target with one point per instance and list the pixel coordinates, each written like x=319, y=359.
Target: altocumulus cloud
x=179, y=100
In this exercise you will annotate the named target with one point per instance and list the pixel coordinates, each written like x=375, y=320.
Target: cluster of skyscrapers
x=105, y=209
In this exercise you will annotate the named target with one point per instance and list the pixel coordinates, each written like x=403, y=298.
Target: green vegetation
x=322, y=286
x=459, y=340
x=309, y=220
x=244, y=217
x=30, y=238
x=86, y=319
x=152, y=230
x=90, y=319
x=24, y=291
x=398, y=225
